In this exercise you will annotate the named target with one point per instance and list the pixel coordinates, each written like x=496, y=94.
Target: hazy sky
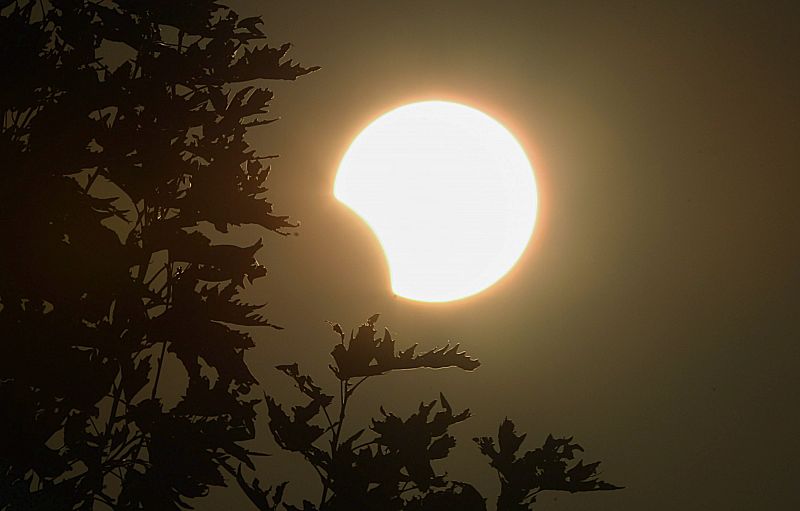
x=655, y=313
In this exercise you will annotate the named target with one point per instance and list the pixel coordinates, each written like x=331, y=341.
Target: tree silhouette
x=124, y=154
x=113, y=177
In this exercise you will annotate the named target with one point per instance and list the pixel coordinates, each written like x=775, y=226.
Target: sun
x=448, y=192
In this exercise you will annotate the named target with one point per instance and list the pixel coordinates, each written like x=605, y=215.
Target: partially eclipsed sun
x=448, y=192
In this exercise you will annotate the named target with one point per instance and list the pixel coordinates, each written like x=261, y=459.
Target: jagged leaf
x=305, y=384
x=366, y=355
x=545, y=468
x=417, y=441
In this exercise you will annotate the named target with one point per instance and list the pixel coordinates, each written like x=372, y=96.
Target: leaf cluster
x=124, y=153
x=388, y=465
x=549, y=467
x=391, y=464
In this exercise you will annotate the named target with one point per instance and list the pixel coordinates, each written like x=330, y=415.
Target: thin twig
x=158, y=371
x=92, y=179
x=359, y=382
x=147, y=284
x=327, y=417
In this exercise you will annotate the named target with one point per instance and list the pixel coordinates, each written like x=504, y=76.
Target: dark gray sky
x=654, y=315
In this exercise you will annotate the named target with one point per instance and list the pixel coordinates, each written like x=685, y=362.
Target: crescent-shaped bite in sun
x=449, y=193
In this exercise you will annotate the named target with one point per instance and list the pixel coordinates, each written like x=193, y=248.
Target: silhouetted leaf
x=366, y=355
x=305, y=384
x=294, y=433
x=417, y=441
x=508, y=440
x=266, y=62
x=545, y=468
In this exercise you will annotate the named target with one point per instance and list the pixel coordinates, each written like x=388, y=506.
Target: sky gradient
x=654, y=314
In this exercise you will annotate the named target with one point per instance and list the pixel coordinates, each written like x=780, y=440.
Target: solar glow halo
x=448, y=192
